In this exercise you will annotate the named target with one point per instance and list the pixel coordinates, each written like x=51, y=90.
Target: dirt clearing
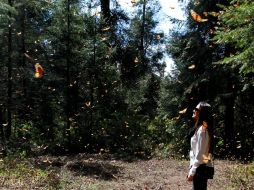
x=97, y=172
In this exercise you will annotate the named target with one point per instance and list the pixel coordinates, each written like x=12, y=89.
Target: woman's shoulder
x=202, y=129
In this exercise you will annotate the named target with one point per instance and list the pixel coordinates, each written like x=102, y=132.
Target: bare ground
x=97, y=172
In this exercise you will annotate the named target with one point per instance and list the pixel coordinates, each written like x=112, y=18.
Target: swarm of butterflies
x=198, y=18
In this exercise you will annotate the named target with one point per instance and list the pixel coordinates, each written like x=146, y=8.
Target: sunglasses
x=195, y=109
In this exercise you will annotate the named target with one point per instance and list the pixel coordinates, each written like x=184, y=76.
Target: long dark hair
x=205, y=114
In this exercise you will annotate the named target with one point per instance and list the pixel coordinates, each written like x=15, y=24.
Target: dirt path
x=95, y=173
x=155, y=175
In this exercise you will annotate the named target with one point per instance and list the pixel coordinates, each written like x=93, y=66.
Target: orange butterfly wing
x=38, y=70
x=197, y=17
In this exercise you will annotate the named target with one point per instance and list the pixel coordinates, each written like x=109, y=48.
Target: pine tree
x=236, y=29
x=234, y=36
x=197, y=77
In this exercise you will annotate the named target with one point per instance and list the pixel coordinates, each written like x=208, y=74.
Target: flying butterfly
x=192, y=67
x=88, y=104
x=134, y=2
x=205, y=13
x=197, y=17
x=136, y=60
x=214, y=14
x=183, y=111
x=38, y=71
x=105, y=29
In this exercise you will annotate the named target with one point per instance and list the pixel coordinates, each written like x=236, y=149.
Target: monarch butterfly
x=105, y=29
x=104, y=39
x=205, y=13
x=88, y=104
x=215, y=14
x=134, y=1
x=38, y=70
x=192, y=67
x=136, y=60
x=183, y=111
x=197, y=17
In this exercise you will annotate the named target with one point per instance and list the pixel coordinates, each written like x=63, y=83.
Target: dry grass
x=97, y=172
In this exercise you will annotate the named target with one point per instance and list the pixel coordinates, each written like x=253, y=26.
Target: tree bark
x=23, y=114
x=143, y=26
x=229, y=126
x=9, y=92
x=68, y=85
x=105, y=8
x=1, y=125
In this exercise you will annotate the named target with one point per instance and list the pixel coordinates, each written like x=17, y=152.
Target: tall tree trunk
x=23, y=64
x=9, y=98
x=142, y=46
x=2, y=140
x=143, y=26
x=23, y=48
x=230, y=136
x=68, y=85
x=229, y=126
x=105, y=8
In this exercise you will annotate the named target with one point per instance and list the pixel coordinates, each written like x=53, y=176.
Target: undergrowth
x=26, y=176
x=242, y=176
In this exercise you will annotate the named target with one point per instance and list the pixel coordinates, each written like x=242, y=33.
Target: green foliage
x=22, y=174
x=168, y=139
x=236, y=29
x=234, y=37
x=7, y=13
x=89, y=92
x=197, y=77
x=103, y=88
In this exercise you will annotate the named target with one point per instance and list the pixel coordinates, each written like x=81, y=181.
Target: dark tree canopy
x=86, y=76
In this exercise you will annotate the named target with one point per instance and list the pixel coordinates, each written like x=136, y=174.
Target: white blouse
x=199, y=153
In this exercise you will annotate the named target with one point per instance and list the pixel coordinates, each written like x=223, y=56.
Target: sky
x=170, y=8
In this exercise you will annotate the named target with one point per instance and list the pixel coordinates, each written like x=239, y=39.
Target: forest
x=87, y=77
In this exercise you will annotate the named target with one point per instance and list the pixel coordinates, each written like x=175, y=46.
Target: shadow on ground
x=82, y=165
x=104, y=171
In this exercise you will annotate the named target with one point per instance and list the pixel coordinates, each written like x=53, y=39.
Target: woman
x=201, y=144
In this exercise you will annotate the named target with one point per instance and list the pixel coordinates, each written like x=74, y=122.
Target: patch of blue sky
x=170, y=9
